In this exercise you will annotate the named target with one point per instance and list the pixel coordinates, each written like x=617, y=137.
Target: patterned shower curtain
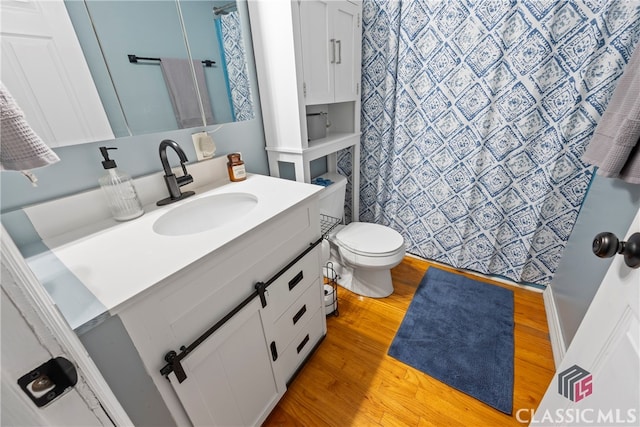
x=237, y=73
x=474, y=117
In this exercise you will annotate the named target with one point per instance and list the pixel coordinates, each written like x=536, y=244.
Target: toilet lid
x=369, y=239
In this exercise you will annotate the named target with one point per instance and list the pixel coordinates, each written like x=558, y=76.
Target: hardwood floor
x=351, y=381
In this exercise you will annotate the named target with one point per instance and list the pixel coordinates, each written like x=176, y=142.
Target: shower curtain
x=474, y=117
x=229, y=30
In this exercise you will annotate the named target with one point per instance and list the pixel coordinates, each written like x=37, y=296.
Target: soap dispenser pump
x=118, y=187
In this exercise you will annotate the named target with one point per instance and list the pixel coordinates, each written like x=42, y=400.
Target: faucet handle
x=184, y=180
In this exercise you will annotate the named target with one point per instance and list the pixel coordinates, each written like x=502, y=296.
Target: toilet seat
x=370, y=240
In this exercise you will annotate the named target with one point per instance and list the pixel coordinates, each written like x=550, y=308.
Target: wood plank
x=351, y=380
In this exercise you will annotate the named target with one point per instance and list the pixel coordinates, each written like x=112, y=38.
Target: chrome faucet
x=174, y=183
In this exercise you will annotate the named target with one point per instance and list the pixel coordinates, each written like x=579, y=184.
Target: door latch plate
x=49, y=380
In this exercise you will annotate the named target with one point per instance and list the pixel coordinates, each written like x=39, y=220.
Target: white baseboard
x=480, y=275
x=555, y=332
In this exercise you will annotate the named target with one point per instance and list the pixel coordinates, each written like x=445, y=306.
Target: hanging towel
x=615, y=146
x=184, y=98
x=21, y=148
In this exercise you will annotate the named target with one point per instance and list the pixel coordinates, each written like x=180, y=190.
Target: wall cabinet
x=239, y=372
x=330, y=45
x=308, y=60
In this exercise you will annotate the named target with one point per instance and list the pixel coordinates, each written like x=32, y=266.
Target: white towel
x=615, y=146
x=182, y=91
x=21, y=148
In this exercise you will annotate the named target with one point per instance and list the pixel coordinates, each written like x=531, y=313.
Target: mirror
x=125, y=41
x=231, y=45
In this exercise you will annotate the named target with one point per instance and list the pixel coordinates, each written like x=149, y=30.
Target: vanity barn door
x=230, y=381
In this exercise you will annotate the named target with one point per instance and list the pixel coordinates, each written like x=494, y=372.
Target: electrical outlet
x=204, y=145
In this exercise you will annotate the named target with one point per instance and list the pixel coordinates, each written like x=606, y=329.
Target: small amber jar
x=235, y=166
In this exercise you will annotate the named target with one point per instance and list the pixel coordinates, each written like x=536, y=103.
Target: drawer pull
x=274, y=351
x=297, y=279
x=299, y=314
x=303, y=343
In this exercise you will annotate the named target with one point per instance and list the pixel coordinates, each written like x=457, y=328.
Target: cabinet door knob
x=339, y=43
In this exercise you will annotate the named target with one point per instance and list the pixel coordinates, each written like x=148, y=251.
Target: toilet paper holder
x=330, y=290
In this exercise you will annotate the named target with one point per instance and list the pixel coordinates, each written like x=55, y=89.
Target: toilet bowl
x=362, y=254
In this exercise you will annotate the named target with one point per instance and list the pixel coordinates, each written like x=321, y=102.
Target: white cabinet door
x=318, y=49
x=348, y=36
x=230, y=381
x=330, y=38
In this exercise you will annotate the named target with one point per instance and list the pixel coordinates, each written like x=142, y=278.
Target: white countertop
x=118, y=261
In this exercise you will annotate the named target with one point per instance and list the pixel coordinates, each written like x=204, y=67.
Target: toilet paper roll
x=330, y=299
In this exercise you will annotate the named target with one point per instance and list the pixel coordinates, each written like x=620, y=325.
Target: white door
x=22, y=352
x=598, y=380
x=45, y=71
x=33, y=332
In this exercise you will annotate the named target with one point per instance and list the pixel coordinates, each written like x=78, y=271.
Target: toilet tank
x=333, y=195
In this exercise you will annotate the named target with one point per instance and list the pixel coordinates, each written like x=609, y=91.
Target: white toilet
x=362, y=253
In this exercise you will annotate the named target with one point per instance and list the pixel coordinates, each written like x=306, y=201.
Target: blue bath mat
x=460, y=331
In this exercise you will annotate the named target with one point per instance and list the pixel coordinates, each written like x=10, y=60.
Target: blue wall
x=610, y=205
x=79, y=167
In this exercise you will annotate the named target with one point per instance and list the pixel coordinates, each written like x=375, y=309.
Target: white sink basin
x=205, y=213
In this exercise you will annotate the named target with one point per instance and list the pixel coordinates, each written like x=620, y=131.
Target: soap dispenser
x=118, y=187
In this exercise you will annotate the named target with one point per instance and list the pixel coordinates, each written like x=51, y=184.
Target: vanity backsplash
x=89, y=209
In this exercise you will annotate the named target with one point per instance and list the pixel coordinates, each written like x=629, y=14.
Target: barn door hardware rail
x=174, y=359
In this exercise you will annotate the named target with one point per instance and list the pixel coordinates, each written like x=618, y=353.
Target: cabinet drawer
x=292, y=284
x=298, y=349
x=297, y=316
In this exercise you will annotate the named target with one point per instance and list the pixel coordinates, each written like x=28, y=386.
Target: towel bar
x=134, y=59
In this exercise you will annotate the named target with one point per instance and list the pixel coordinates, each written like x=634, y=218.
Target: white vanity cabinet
x=330, y=36
x=236, y=374
x=308, y=61
x=135, y=295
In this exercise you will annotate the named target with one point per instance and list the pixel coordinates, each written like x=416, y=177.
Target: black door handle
x=606, y=245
